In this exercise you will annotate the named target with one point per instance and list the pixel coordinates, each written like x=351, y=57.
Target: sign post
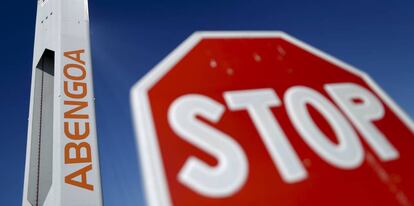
x=261, y=118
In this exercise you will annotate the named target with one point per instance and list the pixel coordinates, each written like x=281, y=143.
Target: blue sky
x=129, y=37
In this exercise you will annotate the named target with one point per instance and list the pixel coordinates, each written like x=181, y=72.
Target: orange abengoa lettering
x=83, y=173
x=76, y=120
x=80, y=87
x=70, y=114
x=78, y=150
x=76, y=135
x=73, y=76
x=77, y=57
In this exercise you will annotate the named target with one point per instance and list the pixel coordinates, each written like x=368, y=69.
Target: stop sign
x=260, y=118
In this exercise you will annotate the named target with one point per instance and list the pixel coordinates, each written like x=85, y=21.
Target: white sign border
x=155, y=183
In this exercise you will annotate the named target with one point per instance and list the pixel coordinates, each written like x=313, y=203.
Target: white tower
x=62, y=165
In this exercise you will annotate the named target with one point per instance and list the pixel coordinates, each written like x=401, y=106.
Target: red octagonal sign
x=260, y=118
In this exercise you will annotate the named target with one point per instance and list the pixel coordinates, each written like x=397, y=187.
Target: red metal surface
x=218, y=65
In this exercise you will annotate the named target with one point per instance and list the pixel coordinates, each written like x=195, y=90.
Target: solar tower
x=62, y=164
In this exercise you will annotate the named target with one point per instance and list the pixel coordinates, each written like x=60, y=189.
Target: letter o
x=348, y=153
x=72, y=76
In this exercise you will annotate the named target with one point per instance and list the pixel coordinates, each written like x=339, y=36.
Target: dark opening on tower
x=41, y=145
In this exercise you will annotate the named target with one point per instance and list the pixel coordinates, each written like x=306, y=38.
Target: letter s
x=229, y=175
